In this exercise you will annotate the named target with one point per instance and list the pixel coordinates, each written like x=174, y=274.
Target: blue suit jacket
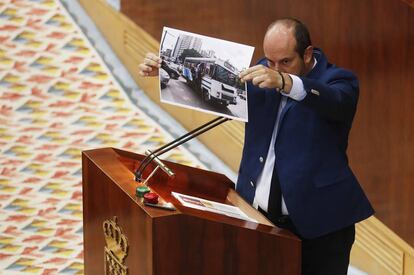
x=320, y=191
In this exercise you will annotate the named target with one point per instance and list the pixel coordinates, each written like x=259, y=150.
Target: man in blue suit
x=294, y=167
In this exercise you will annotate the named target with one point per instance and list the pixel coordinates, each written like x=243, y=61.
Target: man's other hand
x=150, y=66
x=262, y=76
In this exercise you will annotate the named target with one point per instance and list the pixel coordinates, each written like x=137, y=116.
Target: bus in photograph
x=216, y=80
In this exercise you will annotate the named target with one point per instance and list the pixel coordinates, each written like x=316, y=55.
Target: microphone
x=163, y=167
x=150, y=156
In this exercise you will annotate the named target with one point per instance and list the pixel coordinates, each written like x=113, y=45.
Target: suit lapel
x=272, y=106
x=289, y=103
x=273, y=100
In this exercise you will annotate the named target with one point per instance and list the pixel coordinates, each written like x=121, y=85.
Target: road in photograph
x=179, y=92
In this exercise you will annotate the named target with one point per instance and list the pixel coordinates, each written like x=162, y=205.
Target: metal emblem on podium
x=116, y=248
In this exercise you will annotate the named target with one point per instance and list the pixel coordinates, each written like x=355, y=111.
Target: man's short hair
x=301, y=33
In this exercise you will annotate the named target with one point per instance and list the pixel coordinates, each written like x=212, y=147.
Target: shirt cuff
x=297, y=92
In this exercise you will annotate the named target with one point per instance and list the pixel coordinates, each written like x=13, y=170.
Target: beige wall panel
x=378, y=250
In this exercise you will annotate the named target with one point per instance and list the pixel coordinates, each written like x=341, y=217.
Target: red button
x=151, y=198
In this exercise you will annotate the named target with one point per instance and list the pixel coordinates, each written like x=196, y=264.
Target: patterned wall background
x=57, y=98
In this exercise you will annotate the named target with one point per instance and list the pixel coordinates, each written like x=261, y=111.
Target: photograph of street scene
x=201, y=72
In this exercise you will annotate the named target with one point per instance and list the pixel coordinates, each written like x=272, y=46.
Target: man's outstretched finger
x=257, y=80
x=257, y=72
x=252, y=72
x=153, y=57
x=152, y=63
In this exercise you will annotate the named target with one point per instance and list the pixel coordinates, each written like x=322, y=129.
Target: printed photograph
x=201, y=73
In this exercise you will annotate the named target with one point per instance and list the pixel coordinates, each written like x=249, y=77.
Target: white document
x=211, y=206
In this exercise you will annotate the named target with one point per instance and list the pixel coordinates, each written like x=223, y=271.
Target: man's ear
x=308, y=55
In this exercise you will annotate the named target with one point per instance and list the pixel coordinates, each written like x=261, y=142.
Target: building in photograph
x=186, y=42
x=167, y=52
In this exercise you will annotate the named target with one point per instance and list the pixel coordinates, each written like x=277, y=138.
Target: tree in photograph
x=189, y=53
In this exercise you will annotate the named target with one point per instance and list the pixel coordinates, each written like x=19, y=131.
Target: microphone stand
x=150, y=156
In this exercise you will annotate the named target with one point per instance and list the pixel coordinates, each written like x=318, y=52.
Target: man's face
x=279, y=48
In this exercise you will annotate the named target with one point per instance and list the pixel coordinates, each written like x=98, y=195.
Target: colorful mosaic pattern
x=57, y=98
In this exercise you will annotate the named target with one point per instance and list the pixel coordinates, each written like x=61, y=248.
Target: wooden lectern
x=123, y=236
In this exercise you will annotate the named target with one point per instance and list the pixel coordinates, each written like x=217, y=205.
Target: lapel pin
x=315, y=92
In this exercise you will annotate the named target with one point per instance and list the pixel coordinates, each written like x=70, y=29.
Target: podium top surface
x=119, y=166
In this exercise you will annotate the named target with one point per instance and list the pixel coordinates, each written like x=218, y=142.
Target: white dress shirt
x=261, y=198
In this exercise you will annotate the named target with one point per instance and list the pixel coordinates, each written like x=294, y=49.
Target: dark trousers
x=325, y=255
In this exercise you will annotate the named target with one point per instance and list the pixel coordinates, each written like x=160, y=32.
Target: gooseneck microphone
x=153, y=156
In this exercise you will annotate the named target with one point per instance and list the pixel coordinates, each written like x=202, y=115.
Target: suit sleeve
x=334, y=96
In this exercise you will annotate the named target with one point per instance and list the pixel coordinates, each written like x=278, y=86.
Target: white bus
x=217, y=80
